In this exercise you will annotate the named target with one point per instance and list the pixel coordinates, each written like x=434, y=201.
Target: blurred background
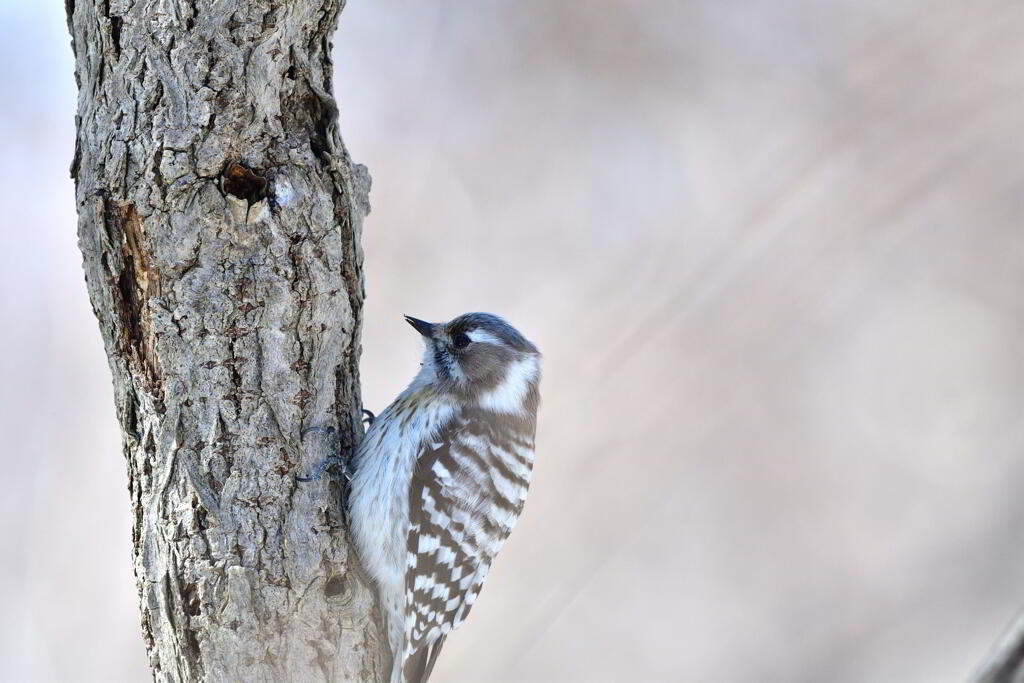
x=773, y=253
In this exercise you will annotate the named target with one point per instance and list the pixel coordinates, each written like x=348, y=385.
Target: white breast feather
x=380, y=490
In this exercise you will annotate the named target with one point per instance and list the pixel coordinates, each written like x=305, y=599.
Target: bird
x=440, y=479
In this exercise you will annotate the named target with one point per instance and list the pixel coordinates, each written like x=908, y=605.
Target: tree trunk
x=219, y=220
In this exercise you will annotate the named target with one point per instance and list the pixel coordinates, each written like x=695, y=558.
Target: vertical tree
x=219, y=221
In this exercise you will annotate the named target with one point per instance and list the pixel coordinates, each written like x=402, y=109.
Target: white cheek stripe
x=508, y=396
x=479, y=335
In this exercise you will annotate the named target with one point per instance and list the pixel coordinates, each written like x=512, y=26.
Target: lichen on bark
x=219, y=222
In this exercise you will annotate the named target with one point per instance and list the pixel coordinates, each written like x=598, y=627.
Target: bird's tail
x=417, y=667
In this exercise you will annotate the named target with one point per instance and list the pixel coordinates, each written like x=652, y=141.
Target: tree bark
x=219, y=221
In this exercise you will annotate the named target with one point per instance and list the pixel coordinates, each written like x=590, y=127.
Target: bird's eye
x=460, y=341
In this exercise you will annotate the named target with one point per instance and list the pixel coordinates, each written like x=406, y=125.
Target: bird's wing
x=466, y=493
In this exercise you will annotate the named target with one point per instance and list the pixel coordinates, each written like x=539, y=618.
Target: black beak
x=422, y=326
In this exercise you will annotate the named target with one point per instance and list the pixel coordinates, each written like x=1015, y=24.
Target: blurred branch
x=1005, y=664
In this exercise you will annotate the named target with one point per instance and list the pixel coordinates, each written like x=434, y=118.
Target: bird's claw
x=368, y=417
x=327, y=464
x=333, y=462
x=322, y=430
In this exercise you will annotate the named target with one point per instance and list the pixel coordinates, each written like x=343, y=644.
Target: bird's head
x=481, y=357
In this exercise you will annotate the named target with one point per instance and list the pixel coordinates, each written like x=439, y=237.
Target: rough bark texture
x=219, y=219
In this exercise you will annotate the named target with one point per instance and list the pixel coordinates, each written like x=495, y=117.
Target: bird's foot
x=332, y=463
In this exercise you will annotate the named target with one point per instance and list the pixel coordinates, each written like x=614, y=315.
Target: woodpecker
x=440, y=479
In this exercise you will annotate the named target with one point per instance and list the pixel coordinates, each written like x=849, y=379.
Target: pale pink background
x=774, y=254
